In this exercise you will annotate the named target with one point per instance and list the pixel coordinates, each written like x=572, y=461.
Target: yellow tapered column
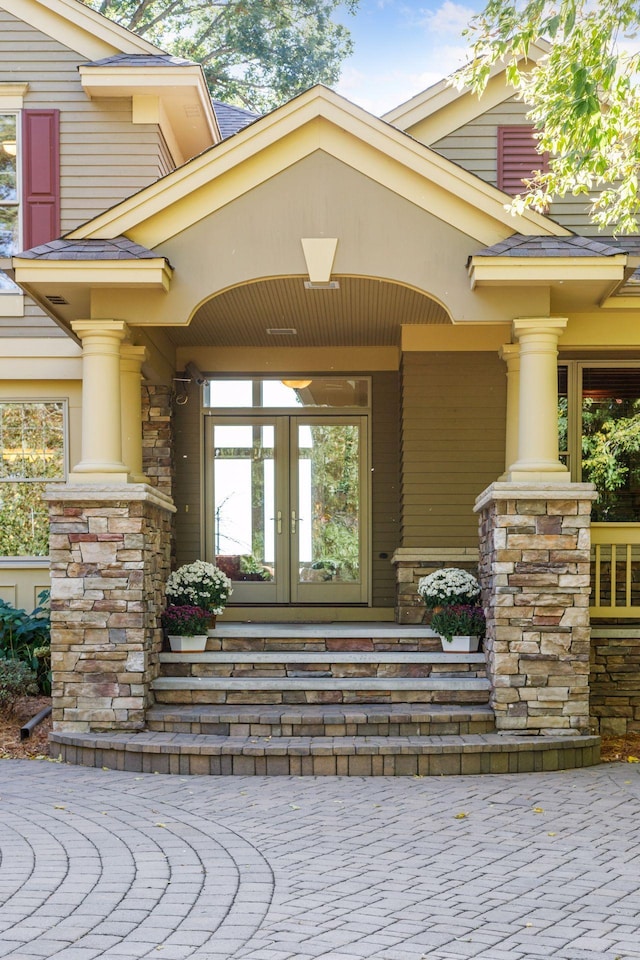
x=510, y=353
x=101, y=403
x=538, y=401
x=131, y=360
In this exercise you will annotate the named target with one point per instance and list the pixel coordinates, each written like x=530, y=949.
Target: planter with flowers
x=453, y=596
x=461, y=627
x=186, y=627
x=200, y=584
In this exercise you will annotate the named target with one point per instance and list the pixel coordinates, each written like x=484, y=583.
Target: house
x=314, y=347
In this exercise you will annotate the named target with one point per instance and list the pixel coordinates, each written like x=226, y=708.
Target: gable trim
x=317, y=120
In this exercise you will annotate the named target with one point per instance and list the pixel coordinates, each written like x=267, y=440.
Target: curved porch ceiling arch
x=363, y=311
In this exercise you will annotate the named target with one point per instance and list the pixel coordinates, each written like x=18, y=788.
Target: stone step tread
x=319, y=713
x=328, y=657
x=319, y=683
x=184, y=743
x=319, y=631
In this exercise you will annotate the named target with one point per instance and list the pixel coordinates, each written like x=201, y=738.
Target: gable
x=78, y=27
x=442, y=108
x=317, y=120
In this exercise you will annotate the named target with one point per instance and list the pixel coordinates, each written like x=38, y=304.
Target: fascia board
x=491, y=271
x=346, y=120
x=78, y=27
x=154, y=274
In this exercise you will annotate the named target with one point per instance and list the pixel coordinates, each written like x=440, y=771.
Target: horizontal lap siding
x=385, y=486
x=100, y=165
x=453, y=433
x=474, y=146
x=188, y=492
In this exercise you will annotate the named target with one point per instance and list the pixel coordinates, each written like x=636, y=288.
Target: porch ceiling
x=363, y=312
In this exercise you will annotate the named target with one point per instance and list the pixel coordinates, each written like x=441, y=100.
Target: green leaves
x=258, y=53
x=582, y=94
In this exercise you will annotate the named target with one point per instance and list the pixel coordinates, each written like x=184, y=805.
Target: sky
x=402, y=47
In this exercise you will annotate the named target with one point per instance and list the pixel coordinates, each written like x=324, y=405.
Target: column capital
x=117, y=329
x=132, y=358
x=509, y=352
x=539, y=325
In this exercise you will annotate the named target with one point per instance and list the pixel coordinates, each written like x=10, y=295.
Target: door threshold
x=306, y=614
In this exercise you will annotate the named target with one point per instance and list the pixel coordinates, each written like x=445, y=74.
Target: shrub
x=17, y=680
x=27, y=637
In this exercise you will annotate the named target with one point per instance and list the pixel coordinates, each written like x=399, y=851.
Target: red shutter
x=40, y=177
x=518, y=158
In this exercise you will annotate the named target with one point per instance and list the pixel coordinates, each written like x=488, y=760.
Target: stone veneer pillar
x=534, y=572
x=110, y=549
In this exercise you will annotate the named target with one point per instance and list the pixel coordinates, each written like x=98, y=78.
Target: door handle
x=293, y=521
x=278, y=519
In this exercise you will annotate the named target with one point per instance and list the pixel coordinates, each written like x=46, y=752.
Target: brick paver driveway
x=116, y=865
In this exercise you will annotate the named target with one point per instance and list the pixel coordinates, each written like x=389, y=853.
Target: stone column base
x=110, y=551
x=534, y=572
x=413, y=563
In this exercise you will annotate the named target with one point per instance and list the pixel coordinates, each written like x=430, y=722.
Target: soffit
x=363, y=312
x=78, y=27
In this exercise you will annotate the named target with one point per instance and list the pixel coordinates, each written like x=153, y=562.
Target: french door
x=287, y=515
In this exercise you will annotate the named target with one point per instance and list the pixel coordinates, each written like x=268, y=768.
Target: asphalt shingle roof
x=120, y=248
x=141, y=60
x=521, y=246
x=232, y=119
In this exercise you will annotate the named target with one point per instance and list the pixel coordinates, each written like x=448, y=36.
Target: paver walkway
x=97, y=864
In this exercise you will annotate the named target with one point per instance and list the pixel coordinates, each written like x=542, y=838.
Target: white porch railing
x=615, y=570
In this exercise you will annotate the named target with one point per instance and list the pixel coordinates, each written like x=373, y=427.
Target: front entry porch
x=317, y=700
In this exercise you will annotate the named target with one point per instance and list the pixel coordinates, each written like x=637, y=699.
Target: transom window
x=599, y=434
x=32, y=454
x=292, y=391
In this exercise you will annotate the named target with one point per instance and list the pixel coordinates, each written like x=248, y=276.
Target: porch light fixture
x=330, y=285
x=296, y=384
x=10, y=147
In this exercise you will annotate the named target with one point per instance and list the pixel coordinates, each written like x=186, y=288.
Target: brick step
x=320, y=690
x=149, y=752
x=297, y=664
x=306, y=720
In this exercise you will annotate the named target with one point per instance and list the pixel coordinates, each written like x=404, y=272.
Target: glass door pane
x=328, y=519
x=245, y=520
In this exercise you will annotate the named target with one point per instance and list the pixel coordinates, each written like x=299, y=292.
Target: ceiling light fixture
x=296, y=384
x=10, y=147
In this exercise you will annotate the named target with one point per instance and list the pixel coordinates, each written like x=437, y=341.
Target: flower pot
x=211, y=622
x=195, y=644
x=460, y=644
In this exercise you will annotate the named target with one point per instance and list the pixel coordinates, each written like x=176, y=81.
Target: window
x=599, y=432
x=9, y=187
x=518, y=158
x=292, y=391
x=32, y=454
